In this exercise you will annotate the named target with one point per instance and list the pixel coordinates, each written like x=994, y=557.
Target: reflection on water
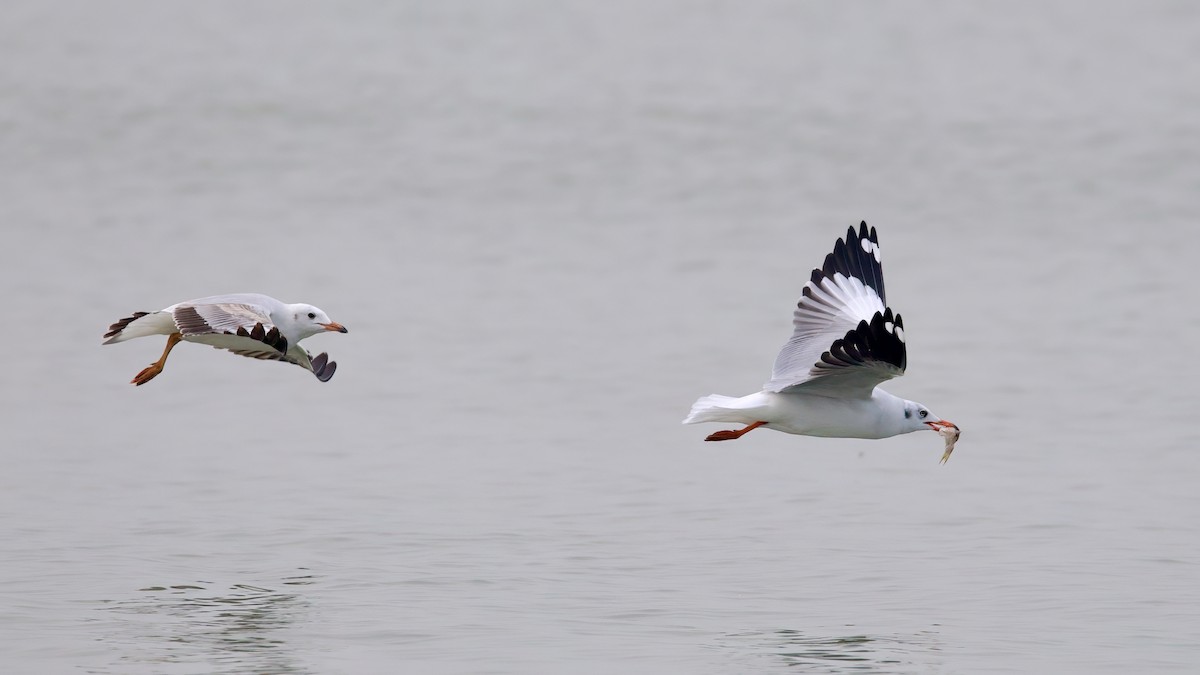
x=238, y=628
x=850, y=653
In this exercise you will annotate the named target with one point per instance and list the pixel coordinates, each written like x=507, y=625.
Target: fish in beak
x=948, y=431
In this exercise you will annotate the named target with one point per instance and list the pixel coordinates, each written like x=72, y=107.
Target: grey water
x=549, y=227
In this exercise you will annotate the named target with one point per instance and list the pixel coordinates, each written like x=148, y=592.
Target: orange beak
x=335, y=326
x=938, y=426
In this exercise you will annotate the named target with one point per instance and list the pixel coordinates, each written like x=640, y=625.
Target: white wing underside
x=835, y=307
x=254, y=349
x=831, y=352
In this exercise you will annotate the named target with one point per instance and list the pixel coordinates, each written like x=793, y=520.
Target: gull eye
x=313, y=315
x=923, y=414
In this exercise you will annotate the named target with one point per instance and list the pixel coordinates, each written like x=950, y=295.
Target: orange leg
x=732, y=434
x=149, y=372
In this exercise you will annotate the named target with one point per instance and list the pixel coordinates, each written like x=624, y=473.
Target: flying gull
x=846, y=341
x=248, y=324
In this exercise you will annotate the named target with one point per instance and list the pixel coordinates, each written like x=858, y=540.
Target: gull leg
x=732, y=434
x=149, y=372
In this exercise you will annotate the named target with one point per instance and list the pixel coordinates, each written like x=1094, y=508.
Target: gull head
x=309, y=320
x=918, y=417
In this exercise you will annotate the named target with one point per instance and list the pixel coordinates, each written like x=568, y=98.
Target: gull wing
x=320, y=365
x=246, y=330
x=248, y=345
x=845, y=340
x=197, y=318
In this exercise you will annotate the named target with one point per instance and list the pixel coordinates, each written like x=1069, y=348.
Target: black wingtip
x=327, y=374
x=323, y=368
x=886, y=342
x=870, y=233
x=272, y=338
x=857, y=255
x=880, y=339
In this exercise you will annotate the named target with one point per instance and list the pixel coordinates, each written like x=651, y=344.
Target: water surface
x=549, y=228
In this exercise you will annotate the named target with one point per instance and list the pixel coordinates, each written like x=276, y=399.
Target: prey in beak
x=333, y=326
x=948, y=431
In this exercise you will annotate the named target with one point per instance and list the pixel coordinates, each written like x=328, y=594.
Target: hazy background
x=549, y=227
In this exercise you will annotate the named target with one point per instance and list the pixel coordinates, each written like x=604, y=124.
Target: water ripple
x=845, y=653
x=219, y=628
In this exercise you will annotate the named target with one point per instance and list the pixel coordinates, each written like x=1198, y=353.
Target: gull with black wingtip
x=247, y=324
x=845, y=342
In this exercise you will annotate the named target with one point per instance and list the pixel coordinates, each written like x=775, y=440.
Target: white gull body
x=874, y=416
x=248, y=324
x=845, y=342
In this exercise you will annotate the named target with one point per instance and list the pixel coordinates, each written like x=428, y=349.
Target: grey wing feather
x=196, y=318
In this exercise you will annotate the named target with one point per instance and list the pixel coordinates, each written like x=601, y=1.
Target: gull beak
x=334, y=326
x=942, y=424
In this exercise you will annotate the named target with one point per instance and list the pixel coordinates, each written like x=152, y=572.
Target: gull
x=248, y=324
x=846, y=341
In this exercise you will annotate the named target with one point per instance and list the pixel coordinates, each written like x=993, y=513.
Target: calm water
x=549, y=227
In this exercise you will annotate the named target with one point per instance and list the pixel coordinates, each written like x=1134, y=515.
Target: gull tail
x=139, y=325
x=718, y=408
